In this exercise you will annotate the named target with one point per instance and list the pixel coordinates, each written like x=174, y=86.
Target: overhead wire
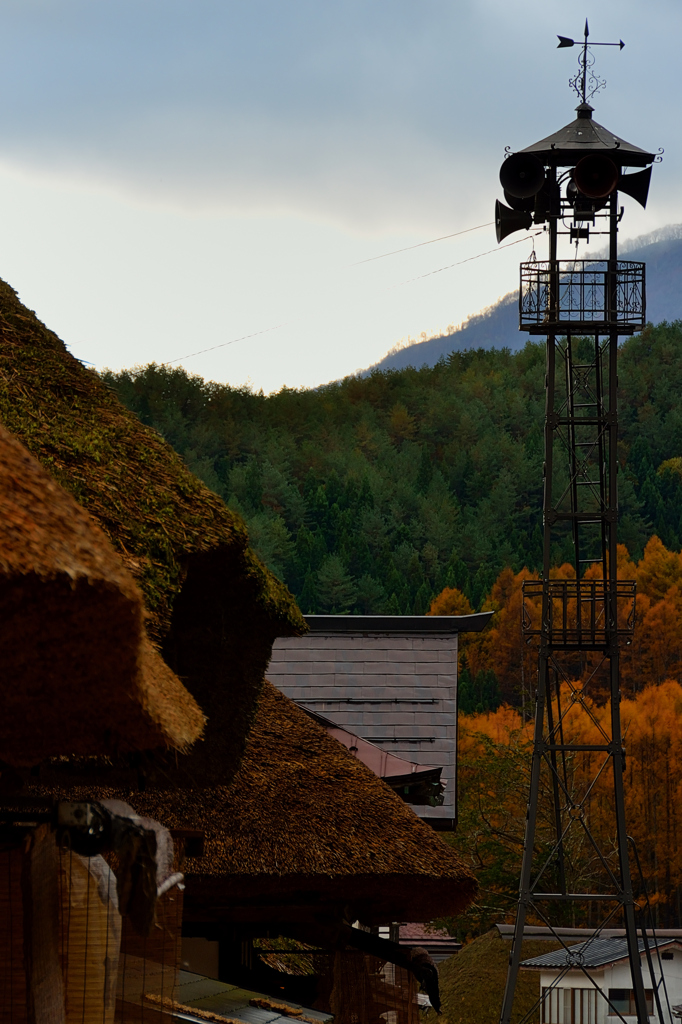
x=407, y=248
x=286, y=323
x=169, y=362
x=469, y=259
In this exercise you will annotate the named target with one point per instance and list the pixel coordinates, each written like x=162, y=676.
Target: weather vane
x=585, y=64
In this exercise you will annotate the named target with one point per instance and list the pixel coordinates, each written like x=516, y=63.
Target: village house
x=568, y=996
x=80, y=677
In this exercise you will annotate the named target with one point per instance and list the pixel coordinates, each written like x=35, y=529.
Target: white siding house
x=569, y=997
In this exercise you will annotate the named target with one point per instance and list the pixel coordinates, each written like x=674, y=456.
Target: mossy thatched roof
x=472, y=982
x=79, y=675
x=213, y=607
x=306, y=830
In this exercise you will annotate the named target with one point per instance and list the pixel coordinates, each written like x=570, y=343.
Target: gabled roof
x=593, y=953
x=79, y=675
x=305, y=832
x=213, y=608
x=584, y=136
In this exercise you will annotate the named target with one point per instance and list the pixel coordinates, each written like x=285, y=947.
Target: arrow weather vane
x=585, y=64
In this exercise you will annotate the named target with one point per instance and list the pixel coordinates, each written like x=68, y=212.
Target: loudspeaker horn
x=596, y=176
x=636, y=185
x=522, y=175
x=519, y=204
x=508, y=221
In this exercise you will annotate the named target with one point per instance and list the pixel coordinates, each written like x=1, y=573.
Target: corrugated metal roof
x=196, y=992
x=593, y=953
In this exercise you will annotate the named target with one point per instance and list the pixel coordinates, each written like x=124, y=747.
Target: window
x=569, y=1006
x=668, y=955
x=623, y=1001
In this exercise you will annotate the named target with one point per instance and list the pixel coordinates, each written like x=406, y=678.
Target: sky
x=210, y=176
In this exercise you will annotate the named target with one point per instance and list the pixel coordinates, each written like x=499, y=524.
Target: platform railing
x=574, y=294
x=578, y=613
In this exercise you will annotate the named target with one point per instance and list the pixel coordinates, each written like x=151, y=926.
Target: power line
x=277, y=327
x=467, y=260
x=224, y=344
x=419, y=244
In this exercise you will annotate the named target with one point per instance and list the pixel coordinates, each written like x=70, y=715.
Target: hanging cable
x=469, y=259
x=169, y=362
x=431, y=241
x=244, y=337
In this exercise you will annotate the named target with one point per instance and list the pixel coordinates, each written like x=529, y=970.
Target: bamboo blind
x=65, y=954
x=149, y=965
x=371, y=991
x=90, y=934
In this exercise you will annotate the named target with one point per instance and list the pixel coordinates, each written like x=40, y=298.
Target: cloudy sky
x=179, y=174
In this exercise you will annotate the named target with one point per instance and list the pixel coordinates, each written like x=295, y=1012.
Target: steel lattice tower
x=570, y=182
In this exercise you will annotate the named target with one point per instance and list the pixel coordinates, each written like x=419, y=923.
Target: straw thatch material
x=79, y=675
x=372, y=991
x=213, y=607
x=307, y=832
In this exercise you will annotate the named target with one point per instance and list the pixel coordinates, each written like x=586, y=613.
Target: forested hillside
x=373, y=494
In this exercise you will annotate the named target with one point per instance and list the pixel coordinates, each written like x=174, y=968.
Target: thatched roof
x=79, y=675
x=472, y=982
x=214, y=608
x=306, y=830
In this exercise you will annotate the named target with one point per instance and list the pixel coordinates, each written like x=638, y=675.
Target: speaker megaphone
x=522, y=175
x=636, y=185
x=596, y=176
x=527, y=204
x=508, y=221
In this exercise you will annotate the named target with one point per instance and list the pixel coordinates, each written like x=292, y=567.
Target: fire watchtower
x=570, y=182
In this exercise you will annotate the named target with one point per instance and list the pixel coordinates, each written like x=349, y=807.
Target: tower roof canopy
x=584, y=136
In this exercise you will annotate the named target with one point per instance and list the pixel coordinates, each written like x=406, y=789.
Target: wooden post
x=39, y=881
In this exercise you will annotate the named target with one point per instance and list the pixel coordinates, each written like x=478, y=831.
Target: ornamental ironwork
x=582, y=295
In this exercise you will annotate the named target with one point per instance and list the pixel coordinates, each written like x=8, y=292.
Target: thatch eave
x=79, y=675
x=172, y=532
x=305, y=832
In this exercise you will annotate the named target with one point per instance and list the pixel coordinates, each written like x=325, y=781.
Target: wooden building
x=299, y=838
x=80, y=679
x=390, y=679
x=305, y=841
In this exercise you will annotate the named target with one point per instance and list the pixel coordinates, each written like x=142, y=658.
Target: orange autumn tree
x=478, y=684
x=494, y=767
x=655, y=653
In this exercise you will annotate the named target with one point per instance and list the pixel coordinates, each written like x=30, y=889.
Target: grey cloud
x=391, y=110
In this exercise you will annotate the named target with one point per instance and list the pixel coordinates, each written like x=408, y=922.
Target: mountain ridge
x=496, y=326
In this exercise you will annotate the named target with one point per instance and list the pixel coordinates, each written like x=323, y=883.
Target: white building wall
x=616, y=977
